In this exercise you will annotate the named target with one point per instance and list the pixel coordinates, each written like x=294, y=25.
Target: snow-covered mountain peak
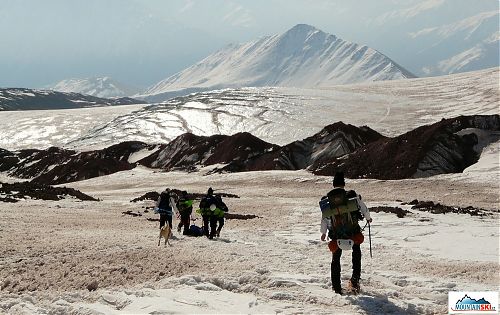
x=303, y=37
x=301, y=31
x=302, y=28
x=97, y=86
x=300, y=57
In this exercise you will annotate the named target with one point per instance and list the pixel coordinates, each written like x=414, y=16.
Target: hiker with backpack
x=185, y=207
x=341, y=211
x=166, y=206
x=208, y=205
x=219, y=214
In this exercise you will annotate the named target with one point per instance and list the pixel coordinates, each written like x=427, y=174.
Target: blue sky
x=141, y=42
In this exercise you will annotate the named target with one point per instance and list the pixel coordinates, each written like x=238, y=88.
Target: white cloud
x=239, y=16
x=410, y=12
x=187, y=6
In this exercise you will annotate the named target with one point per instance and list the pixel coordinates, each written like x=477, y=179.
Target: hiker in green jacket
x=185, y=208
x=219, y=214
x=207, y=208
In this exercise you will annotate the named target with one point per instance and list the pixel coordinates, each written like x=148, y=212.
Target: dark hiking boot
x=355, y=284
x=338, y=290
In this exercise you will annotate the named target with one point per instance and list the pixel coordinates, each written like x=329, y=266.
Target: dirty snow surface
x=52, y=252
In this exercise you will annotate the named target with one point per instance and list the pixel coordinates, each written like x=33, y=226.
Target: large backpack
x=195, y=230
x=343, y=213
x=164, y=206
x=205, y=204
x=220, y=204
x=185, y=206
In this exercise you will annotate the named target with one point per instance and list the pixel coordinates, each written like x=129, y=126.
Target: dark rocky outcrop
x=189, y=150
x=426, y=151
x=448, y=146
x=30, y=99
x=8, y=160
x=400, y=213
x=331, y=142
x=56, y=166
x=132, y=213
x=437, y=208
x=151, y=195
x=154, y=195
x=13, y=192
x=237, y=216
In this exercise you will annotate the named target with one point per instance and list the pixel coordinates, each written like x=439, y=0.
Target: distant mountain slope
x=100, y=87
x=301, y=57
x=483, y=55
x=465, y=45
x=29, y=99
x=434, y=37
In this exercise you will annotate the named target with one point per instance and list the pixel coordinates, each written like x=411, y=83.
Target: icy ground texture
x=275, y=264
x=46, y=128
x=277, y=115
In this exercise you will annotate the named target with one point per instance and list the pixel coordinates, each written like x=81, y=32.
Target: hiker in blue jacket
x=166, y=206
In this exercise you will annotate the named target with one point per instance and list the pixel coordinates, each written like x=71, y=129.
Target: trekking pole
x=370, y=239
x=364, y=227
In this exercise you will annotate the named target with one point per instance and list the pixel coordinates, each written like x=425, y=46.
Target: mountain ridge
x=303, y=56
x=33, y=99
x=104, y=87
x=361, y=152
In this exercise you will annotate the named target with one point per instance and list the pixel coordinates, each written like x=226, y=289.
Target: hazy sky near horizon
x=140, y=42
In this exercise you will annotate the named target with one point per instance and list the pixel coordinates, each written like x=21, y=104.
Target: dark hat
x=210, y=191
x=338, y=179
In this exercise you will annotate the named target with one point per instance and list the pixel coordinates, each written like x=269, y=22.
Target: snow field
x=272, y=264
x=276, y=115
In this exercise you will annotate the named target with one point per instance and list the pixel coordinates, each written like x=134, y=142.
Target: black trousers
x=165, y=218
x=356, y=265
x=209, y=220
x=185, y=221
x=220, y=221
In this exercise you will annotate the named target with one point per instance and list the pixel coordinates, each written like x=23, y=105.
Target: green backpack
x=344, y=214
x=185, y=206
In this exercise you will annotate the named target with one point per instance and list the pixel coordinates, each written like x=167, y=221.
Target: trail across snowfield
x=52, y=252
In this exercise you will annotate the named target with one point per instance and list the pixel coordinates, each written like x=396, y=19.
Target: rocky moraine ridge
x=448, y=146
